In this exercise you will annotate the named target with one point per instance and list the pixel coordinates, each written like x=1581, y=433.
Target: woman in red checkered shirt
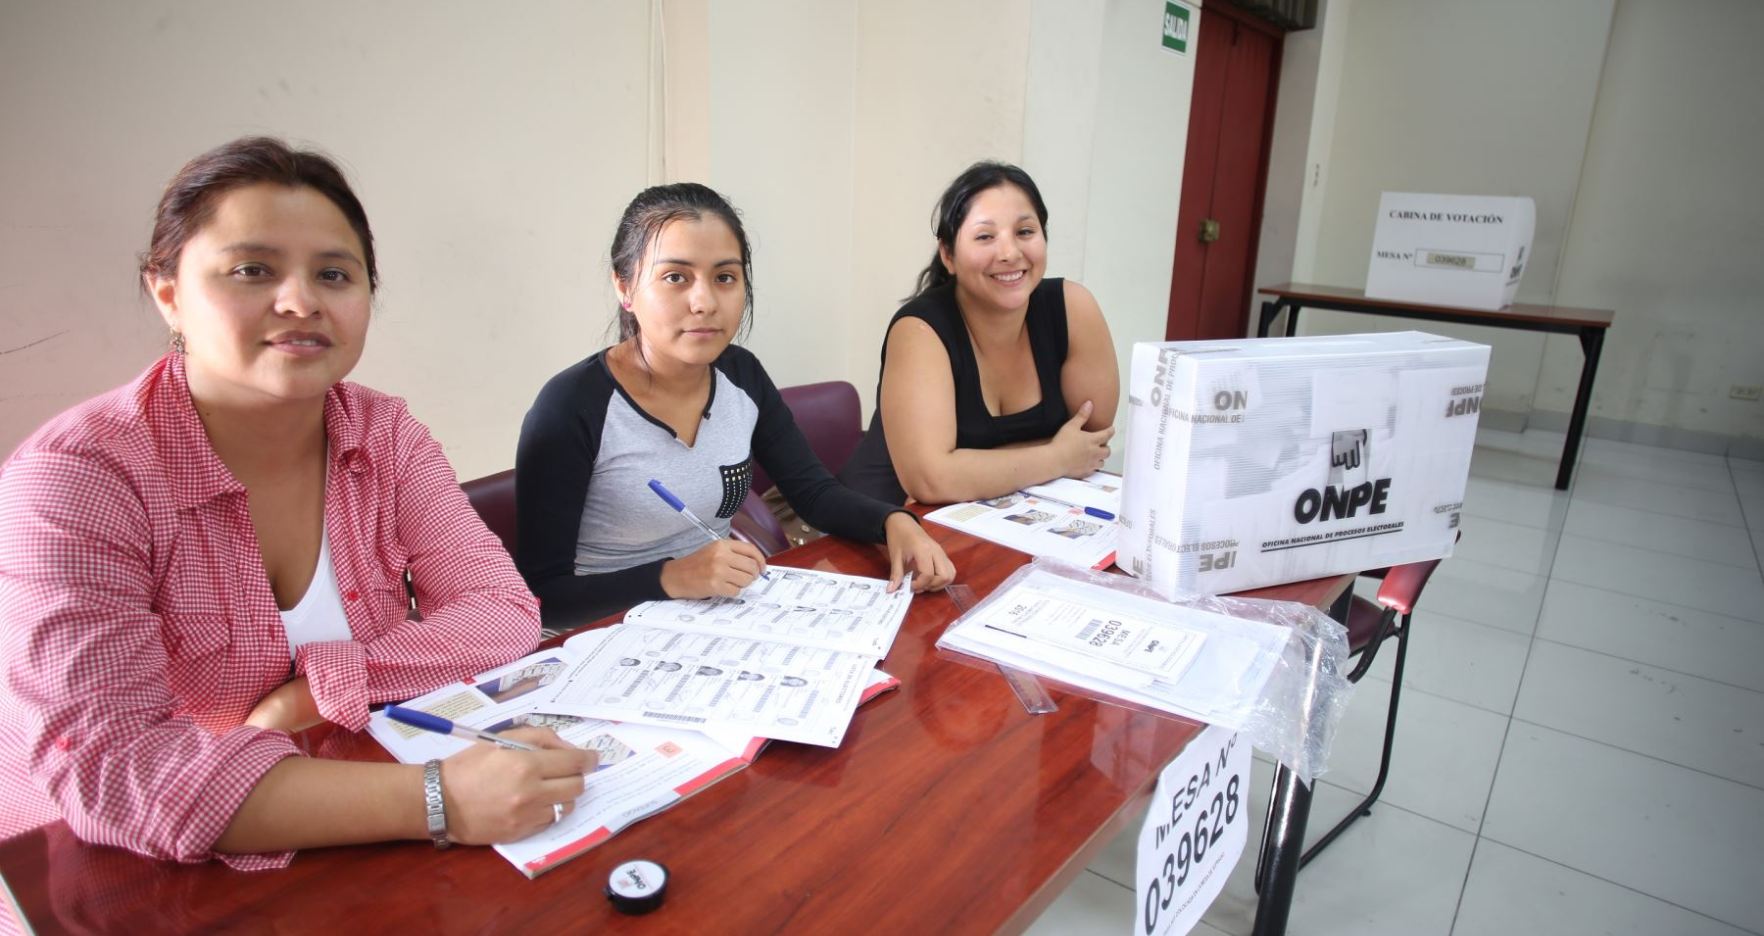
x=214, y=555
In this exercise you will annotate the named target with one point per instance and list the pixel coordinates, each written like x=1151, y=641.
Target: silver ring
x=556, y=813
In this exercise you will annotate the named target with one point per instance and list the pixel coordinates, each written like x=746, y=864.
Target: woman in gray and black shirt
x=675, y=401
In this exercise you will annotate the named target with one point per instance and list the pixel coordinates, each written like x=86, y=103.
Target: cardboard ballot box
x=1451, y=250
x=1258, y=461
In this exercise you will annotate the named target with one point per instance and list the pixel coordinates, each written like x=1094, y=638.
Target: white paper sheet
x=1036, y=526
x=848, y=613
x=660, y=677
x=1101, y=490
x=642, y=769
x=1216, y=668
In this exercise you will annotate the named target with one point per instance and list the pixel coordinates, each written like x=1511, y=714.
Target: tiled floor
x=1581, y=746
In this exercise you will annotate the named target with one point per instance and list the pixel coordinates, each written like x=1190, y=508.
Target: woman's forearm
x=307, y=802
x=972, y=474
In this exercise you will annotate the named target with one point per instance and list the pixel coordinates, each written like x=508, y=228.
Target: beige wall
x=1668, y=226
x=1298, y=156
x=1620, y=119
x=1136, y=176
x=495, y=147
x=1491, y=98
x=780, y=147
x=939, y=85
x=493, y=159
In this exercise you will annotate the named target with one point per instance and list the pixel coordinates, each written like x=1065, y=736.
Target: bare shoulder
x=1083, y=314
x=914, y=339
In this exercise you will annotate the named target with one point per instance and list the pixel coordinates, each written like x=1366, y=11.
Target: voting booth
x=1450, y=250
x=1258, y=461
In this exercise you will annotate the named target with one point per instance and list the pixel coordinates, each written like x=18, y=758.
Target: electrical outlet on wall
x=1751, y=393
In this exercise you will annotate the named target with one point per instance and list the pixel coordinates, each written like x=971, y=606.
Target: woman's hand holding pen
x=1081, y=452
x=719, y=570
x=911, y=548
x=495, y=794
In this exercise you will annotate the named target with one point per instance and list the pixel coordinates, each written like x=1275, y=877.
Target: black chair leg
x=1364, y=808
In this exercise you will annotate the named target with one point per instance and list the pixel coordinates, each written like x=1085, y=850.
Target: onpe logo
x=1166, y=360
x=1218, y=562
x=1230, y=400
x=1349, y=455
x=1465, y=406
x=1335, y=502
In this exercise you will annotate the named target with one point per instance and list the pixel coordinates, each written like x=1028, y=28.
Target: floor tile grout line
x=1619, y=591
x=1643, y=754
x=1756, y=558
x=1108, y=879
x=1494, y=778
x=1410, y=687
x=1668, y=669
x=1659, y=552
x=1663, y=513
x=1617, y=884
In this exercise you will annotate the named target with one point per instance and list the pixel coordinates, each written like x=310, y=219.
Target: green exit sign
x=1178, y=21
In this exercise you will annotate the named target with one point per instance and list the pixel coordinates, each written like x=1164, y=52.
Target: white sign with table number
x=1194, y=832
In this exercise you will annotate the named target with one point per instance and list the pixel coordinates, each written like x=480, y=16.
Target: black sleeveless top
x=871, y=470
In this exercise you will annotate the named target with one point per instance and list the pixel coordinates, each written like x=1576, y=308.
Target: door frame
x=1224, y=9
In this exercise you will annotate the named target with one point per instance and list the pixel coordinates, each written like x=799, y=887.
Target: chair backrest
x=829, y=415
x=1402, y=584
x=754, y=523
x=493, y=497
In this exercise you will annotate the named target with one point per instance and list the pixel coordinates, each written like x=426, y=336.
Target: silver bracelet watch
x=437, y=807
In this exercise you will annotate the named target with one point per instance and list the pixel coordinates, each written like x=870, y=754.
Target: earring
x=177, y=342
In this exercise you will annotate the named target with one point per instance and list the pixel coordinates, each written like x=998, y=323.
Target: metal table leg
x=1270, y=311
x=1284, y=839
x=1592, y=341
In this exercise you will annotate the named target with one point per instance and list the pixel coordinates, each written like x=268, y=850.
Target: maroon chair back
x=754, y=523
x=493, y=497
x=829, y=415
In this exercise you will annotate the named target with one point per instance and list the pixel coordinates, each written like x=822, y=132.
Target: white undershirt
x=319, y=615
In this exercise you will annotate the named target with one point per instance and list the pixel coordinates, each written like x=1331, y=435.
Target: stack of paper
x=680, y=696
x=1069, y=519
x=1115, y=643
x=787, y=660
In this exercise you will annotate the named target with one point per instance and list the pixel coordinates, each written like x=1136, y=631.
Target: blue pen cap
x=417, y=719
x=666, y=495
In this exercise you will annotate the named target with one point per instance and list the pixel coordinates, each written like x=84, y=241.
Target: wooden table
x=948, y=809
x=1589, y=325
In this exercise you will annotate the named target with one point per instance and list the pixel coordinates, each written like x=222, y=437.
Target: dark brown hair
x=643, y=221
x=190, y=197
x=952, y=210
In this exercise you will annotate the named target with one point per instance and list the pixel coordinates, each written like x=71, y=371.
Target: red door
x=1231, y=118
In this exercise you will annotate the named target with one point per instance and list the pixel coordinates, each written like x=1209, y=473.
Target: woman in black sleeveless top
x=993, y=378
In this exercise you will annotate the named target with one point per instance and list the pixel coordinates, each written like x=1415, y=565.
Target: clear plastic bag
x=1274, y=671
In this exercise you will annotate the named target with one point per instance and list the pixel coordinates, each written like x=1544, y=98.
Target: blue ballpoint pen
x=440, y=725
x=1097, y=512
x=662, y=492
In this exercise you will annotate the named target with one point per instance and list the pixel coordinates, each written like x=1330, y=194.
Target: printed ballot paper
x=1047, y=519
x=823, y=610
x=1255, y=462
x=642, y=769
x=671, y=678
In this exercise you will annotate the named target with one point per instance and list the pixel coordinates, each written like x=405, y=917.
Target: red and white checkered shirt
x=138, y=629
